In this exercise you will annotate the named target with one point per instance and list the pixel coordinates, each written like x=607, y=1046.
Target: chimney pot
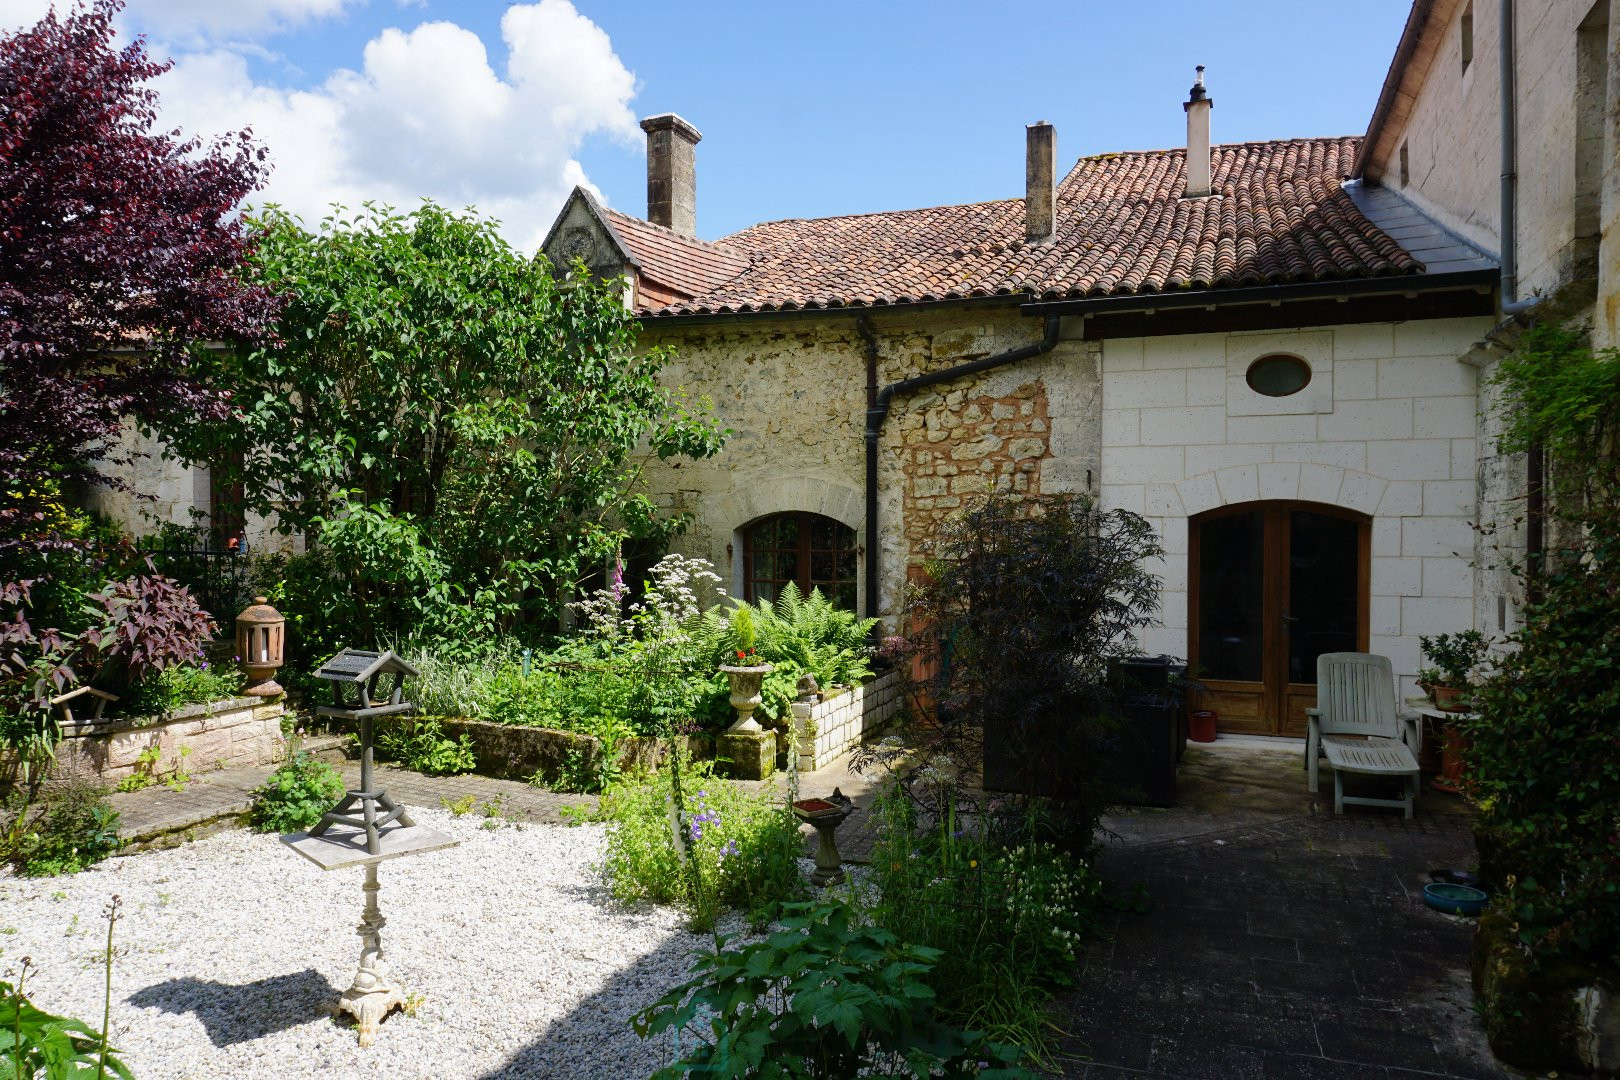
x=672, y=172
x=1040, y=182
x=1197, y=105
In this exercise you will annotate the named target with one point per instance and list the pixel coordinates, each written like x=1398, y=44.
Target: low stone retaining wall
x=845, y=720
x=218, y=734
x=515, y=752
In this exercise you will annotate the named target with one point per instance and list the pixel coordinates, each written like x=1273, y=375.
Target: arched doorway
x=813, y=551
x=1272, y=585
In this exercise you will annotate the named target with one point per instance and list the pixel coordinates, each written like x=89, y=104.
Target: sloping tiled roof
x=681, y=264
x=1279, y=216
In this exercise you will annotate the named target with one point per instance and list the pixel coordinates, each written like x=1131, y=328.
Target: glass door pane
x=1231, y=587
x=1323, y=590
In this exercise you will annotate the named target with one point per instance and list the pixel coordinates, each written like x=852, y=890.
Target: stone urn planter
x=746, y=682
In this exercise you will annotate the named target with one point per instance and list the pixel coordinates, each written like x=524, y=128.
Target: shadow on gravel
x=237, y=1014
x=589, y=1042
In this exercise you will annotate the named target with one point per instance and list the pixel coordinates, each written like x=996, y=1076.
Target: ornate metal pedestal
x=373, y=994
x=368, y=839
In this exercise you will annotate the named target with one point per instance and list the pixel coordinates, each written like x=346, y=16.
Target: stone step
x=334, y=749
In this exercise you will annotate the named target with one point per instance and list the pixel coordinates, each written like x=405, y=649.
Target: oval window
x=1278, y=376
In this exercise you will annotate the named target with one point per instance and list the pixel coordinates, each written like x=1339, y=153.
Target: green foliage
x=180, y=685
x=461, y=427
x=1026, y=604
x=295, y=796
x=1007, y=918
x=811, y=634
x=744, y=846
x=1456, y=656
x=822, y=997
x=422, y=746
x=1544, y=764
x=37, y=1044
x=145, y=774
x=1556, y=393
x=75, y=828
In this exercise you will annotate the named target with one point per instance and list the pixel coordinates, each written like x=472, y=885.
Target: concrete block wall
x=220, y=734
x=843, y=721
x=1388, y=427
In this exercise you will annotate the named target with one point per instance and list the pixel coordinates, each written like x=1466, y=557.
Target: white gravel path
x=237, y=949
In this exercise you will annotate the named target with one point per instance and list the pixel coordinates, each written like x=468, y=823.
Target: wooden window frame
x=803, y=550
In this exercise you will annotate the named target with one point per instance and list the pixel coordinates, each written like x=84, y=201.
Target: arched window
x=813, y=551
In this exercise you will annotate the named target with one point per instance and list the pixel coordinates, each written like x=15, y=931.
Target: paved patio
x=159, y=816
x=1281, y=941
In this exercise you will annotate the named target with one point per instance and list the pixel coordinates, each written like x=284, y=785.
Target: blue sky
x=806, y=109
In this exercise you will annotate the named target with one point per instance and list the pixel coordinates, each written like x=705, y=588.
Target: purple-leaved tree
x=118, y=246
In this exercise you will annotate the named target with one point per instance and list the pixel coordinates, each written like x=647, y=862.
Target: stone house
x=1274, y=351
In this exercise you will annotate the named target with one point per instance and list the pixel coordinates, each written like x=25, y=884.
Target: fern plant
x=814, y=635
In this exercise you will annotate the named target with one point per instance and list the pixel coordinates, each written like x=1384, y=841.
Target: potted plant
x=1454, y=658
x=748, y=673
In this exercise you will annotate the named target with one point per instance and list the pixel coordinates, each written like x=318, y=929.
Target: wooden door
x=1272, y=585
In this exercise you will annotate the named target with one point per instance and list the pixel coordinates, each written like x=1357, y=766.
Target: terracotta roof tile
x=1279, y=215
x=680, y=264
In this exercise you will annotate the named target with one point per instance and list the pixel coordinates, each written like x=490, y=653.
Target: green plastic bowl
x=1454, y=899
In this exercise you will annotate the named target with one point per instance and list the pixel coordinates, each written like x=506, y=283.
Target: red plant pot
x=1201, y=725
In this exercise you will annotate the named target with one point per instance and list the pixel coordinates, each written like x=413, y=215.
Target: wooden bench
x=1374, y=757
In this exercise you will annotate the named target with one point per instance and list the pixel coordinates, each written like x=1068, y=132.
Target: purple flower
x=729, y=849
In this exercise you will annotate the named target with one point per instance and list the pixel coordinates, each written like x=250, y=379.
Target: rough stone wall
x=220, y=734
x=966, y=447
x=1606, y=323
x=793, y=391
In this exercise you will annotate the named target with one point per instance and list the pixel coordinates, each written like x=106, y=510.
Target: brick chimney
x=1040, y=182
x=672, y=172
x=1198, y=105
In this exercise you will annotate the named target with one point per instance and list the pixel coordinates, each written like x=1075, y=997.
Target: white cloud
x=210, y=19
x=21, y=14
x=427, y=114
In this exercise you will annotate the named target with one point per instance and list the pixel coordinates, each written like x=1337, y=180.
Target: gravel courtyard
x=234, y=950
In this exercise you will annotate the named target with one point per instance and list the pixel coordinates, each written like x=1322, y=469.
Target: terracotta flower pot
x=1201, y=725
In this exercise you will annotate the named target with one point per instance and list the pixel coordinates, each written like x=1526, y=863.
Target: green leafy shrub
x=422, y=746
x=1007, y=919
x=181, y=685
x=824, y=997
x=76, y=828
x=1544, y=760
x=1455, y=656
x=745, y=848
x=295, y=796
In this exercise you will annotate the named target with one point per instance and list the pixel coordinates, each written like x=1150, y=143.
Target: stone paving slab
x=159, y=816
x=1281, y=941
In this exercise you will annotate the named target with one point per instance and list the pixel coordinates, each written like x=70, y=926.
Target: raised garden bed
x=216, y=734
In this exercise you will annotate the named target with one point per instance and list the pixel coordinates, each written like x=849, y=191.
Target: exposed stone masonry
x=964, y=446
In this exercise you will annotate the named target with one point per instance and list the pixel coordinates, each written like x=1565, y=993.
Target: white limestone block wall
x=1387, y=427
x=842, y=721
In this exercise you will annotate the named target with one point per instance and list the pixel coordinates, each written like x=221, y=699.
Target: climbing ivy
x=1545, y=757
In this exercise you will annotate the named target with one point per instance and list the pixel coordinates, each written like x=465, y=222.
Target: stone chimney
x=1040, y=182
x=1198, y=105
x=672, y=172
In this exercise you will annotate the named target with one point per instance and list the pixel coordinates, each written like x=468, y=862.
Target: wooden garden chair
x=1357, y=725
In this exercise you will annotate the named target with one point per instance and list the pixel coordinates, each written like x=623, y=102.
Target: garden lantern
x=261, y=638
